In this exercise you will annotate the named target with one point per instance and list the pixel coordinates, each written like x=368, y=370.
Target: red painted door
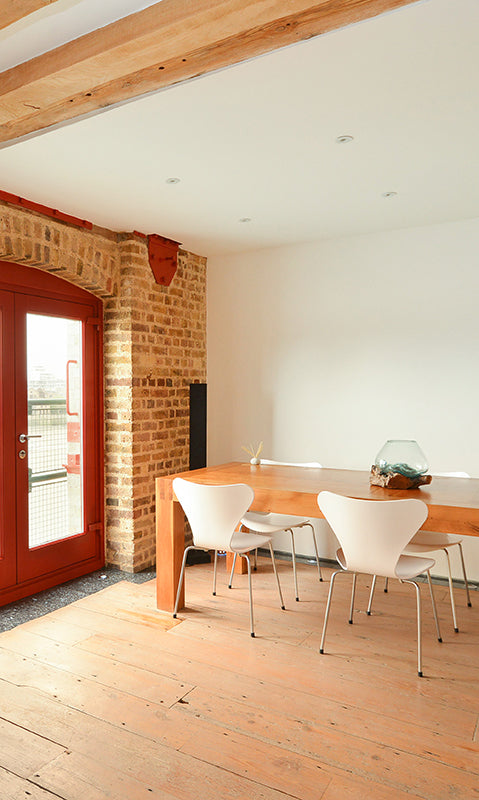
x=52, y=427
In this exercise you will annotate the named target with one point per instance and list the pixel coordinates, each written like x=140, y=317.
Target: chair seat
x=406, y=568
x=242, y=542
x=410, y=566
x=268, y=524
x=431, y=540
x=272, y=523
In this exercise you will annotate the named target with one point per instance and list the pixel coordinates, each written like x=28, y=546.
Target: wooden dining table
x=453, y=505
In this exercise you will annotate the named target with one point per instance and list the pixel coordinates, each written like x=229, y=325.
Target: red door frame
x=7, y=449
x=52, y=564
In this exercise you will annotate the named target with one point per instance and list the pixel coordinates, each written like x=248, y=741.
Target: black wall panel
x=197, y=425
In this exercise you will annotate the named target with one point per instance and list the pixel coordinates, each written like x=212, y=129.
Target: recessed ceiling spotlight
x=245, y=219
x=172, y=180
x=344, y=139
x=389, y=194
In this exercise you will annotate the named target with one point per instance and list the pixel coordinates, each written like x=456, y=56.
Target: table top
x=453, y=502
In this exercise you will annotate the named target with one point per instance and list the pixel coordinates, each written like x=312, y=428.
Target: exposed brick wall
x=154, y=347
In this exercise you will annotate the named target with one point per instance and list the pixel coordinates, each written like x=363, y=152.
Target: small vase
x=403, y=456
x=254, y=461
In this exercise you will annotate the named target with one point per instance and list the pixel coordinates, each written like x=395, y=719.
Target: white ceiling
x=258, y=140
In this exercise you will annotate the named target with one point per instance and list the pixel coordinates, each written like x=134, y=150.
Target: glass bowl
x=403, y=456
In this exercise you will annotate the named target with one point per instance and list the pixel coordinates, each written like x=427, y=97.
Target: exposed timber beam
x=165, y=44
x=11, y=12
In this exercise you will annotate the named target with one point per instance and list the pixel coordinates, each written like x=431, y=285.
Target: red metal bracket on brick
x=163, y=257
x=15, y=200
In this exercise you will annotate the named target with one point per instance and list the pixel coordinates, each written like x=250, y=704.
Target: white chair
x=372, y=535
x=213, y=513
x=268, y=523
x=431, y=542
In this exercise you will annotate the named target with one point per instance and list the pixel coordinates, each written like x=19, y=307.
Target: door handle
x=24, y=436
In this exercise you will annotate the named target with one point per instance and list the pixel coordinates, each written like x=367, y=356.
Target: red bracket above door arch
x=163, y=257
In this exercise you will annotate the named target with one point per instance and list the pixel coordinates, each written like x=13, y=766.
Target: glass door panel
x=55, y=463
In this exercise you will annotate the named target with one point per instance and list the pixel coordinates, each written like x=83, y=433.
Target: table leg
x=241, y=566
x=170, y=545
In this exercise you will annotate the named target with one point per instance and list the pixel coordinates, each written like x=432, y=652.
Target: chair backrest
x=312, y=464
x=372, y=533
x=213, y=511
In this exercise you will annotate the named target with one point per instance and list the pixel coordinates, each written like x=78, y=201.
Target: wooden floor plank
x=275, y=662
x=383, y=649
x=79, y=777
x=76, y=777
x=63, y=622
x=34, y=750
x=340, y=708
x=113, y=699
x=444, y=762
x=318, y=735
x=273, y=766
x=119, y=708
x=343, y=788
x=13, y=787
x=119, y=749
x=328, y=693
x=142, y=683
x=149, y=720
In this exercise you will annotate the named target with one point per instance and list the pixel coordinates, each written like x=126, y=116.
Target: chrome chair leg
x=419, y=642
x=255, y=566
x=214, y=572
x=232, y=571
x=328, y=606
x=386, y=580
x=250, y=594
x=273, y=561
x=434, y=609
x=353, y=593
x=315, y=542
x=182, y=575
x=451, y=590
x=371, y=595
x=464, y=574
x=293, y=558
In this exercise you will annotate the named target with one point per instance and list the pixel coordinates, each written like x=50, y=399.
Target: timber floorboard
x=111, y=698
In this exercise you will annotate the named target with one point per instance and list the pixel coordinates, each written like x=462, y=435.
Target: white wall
x=326, y=349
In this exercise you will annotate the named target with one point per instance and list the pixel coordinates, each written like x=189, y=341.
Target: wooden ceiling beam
x=168, y=43
x=11, y=12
